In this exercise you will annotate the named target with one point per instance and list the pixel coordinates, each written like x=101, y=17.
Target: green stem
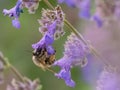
x=48, y=4
x=12, y=68
x=75, y=31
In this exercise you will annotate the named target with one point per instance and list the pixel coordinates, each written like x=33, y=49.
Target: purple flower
x=49, y=17
x=109, y=79
x=117, y=9
x=47, y=40
x=70, y=3
x=85, y=7
x=98, y=20
x=66, y=75
x=74, y=55
x=105, y=12
x=16, y=23
x=14, y=13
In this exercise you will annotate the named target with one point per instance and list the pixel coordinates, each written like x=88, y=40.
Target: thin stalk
x=48, y=4
x=12, y=68
x=75, y=31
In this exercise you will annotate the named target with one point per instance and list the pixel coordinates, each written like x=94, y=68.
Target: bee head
x=39, y=51
x=36, y=52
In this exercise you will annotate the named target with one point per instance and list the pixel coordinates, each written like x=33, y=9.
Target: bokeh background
x=16, y=46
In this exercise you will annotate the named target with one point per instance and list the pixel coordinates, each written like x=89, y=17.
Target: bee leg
x=43, y=66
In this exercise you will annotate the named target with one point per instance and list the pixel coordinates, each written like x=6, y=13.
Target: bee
x=42, y=59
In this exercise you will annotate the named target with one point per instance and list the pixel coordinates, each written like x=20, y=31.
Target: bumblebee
x=42, y=59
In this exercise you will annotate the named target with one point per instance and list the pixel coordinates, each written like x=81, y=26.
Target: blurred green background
x=16, y=46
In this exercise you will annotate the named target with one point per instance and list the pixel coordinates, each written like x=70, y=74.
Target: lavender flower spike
x=15, y=13
x=75, y=54
x=49, y=17
x=47, y=40
x=109, y=79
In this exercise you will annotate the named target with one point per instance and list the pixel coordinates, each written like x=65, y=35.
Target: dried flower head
x=49, y=17
x=31, y=5
x=109, y=79
x=26, y=85
x=74, y=55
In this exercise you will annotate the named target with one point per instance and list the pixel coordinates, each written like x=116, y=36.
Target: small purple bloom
x=66, y=75
x=85, y=7
x=98, y=21
x=15, y=13
x=50, y=50
x=44, y=42
x=70, y=3
x=16, y=23
x=105, y=12
x=61, y=1
x=109, y=79
x=47, y=40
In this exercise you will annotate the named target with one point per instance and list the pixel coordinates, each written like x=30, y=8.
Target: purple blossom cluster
x=109, y=79
x=76, y=52
x=47, y=40
x=15, y=12
x=51, y=28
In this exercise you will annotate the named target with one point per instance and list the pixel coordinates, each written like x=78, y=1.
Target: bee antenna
x=28, y=51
